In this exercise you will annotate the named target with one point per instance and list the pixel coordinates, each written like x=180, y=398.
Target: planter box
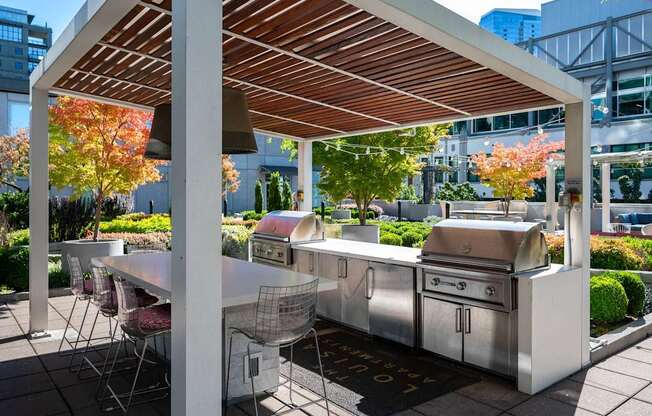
x=341, y=214
x=85, y=250
x=364, y=233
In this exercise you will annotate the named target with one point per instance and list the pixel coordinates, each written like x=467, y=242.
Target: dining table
x=241, y=282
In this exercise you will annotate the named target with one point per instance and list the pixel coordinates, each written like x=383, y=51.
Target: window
x=482, y=124
x=518, y=120
x=545, y=116
x=599, y=106
x=18, y=51
x=13, y=16
x=35, y=53
x=501, y=122
x=18, y=116
x=31, y=66
x=18, y=66
x=630, y=104
x=37, y=41
x=11, y=33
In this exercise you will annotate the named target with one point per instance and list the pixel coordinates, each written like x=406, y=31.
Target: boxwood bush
x=391, y=239
x=606, y=253
x=634, y=289
x=411, y=239
x=608, y=300
x=14, y=269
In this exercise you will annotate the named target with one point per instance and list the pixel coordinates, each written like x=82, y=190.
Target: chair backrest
x=102, y=288
x=128, y=305
x=285, y=314
x=620, y=228
x=76, y=275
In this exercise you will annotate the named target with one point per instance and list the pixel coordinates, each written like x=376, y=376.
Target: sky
x=58, y=13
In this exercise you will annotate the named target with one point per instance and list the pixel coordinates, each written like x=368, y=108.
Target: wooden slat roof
x=311, y=69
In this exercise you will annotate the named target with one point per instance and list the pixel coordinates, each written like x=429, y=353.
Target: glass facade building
x=513, y=25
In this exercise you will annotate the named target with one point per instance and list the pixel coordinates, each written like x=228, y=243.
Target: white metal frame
x=196, y=103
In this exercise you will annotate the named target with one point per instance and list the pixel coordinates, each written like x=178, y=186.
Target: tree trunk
x=507, y=201
x=98, y=215
x=362, y=212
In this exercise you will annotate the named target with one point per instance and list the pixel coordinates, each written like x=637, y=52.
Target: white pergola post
x=305, y=175
x=38, y=212
x=605, y=181
x=551, y=206
x=196, y=211
x=578, y=178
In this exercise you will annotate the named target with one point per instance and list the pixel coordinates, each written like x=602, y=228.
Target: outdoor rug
x=369, y=376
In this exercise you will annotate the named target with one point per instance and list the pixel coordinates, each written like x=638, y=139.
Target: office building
x=513, y=25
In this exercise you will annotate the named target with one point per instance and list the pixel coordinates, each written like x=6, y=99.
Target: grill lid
x=291, y=226
x=507, y=246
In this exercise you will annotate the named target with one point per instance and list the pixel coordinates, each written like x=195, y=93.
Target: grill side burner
x=468, y=289
x=278, y=230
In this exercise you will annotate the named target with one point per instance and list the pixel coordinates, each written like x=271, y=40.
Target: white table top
x=402, y=256
x=241, y=280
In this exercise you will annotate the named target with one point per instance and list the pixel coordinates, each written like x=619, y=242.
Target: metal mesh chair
x=138, y=324
x=284, y=316
x=82, y=290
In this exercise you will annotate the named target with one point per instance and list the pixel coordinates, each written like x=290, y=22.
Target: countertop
x=241, y=280
x=401, y=256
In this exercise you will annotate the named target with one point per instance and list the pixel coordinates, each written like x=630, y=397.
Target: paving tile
x=609, y=380
x=628, y=367
x=633, y=407
x=544, y=406
x=44, y=403
x=23, y=385
x=646, y=343
x=497, y=393
x=585, y=396
x=645, y=394
x=637, y=353
x=453, y=404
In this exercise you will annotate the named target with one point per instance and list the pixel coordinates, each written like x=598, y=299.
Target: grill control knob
x=461, y=286
x=490, y=291
x=435, y=281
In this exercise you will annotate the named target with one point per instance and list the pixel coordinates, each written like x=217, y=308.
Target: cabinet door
x=355, y=305
x=442, y=328
x=305, y=262
x=329, y=305
x=486, y=338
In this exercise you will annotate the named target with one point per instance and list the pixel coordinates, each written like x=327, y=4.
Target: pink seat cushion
x=156, y=318
x=88, y=286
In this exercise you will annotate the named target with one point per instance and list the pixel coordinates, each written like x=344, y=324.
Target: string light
x=402, y=151
x=368, y=151
x=339, y=147
x=327, y=147
x=357, y=157
x=598, y=149
x=539, y=130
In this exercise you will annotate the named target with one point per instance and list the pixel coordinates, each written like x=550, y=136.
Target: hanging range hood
x=237, y=131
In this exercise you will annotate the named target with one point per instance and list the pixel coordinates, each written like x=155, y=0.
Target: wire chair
x=620, y=228
x=138, y=324
x=284, y=316
x=82, y=290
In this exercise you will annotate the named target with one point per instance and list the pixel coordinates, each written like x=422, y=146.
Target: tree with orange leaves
x=14, y=158
x=230, y=176
x=509, y=171
x=99, y=148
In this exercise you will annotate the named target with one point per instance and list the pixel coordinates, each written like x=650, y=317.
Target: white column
x=196, y=209
x=305, y=175
x=38, y=212
x=605, y=180
x=551, y=206
x=578, y=178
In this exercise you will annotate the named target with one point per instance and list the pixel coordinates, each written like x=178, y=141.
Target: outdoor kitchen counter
x=400, y=256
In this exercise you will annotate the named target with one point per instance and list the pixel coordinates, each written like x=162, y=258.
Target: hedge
x=606, y=253
x=391, y=239
x=14, y=270
x=608, y=300
x=634, y=289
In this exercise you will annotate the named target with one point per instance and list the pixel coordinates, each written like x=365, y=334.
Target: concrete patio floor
x=35, y=381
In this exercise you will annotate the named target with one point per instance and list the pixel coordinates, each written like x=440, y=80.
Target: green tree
x=630, y=184
x=461, y=192
x=274, y=196
x=287, y=194
x=352, y=173
x=258, y=197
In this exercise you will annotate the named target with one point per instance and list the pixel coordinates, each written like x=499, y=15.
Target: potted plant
x=369, y=167
x=98, y=149
x=510, y=171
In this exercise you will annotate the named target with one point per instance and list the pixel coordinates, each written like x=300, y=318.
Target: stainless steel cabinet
x=486, y=338
x=391, y=294
x=330, y=303
x=478, y=336
x=442, y=328
x=305, y=262
x=353, y=281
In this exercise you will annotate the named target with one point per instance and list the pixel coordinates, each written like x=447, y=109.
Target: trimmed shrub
x=608, y=300
x=634, y=288
x=158, y=240
x=15, y=205
x=258, y=197
x=137, y=224
x=411, y=238
x=253, y=215
x=14, y=267
x=274, y=193
x=19, y=238
x=614, y=254
x=239, y=221
x=235, y=241
x=391, y=239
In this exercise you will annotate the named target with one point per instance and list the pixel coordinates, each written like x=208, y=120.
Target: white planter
x=85, y=250
x=341, y=214
x=365, y=233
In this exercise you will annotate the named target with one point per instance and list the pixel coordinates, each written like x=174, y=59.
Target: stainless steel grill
x=278, y=230
x=468, y=287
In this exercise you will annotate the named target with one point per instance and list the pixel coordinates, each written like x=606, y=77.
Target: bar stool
x=138, y=324
x=284, y=316
x=82, y=290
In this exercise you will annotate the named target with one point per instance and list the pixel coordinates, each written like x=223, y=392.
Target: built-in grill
x=468, y=287
x=278, y=230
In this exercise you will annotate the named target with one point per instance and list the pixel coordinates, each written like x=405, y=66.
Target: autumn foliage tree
x=230, y=176
x=509, y=171
x=99, y=148
x=14, y=158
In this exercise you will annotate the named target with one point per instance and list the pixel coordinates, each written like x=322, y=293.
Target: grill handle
x=369, y=288
x=467, y=321
x=458, y=320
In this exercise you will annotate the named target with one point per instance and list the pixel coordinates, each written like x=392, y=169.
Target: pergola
x=311, y=70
